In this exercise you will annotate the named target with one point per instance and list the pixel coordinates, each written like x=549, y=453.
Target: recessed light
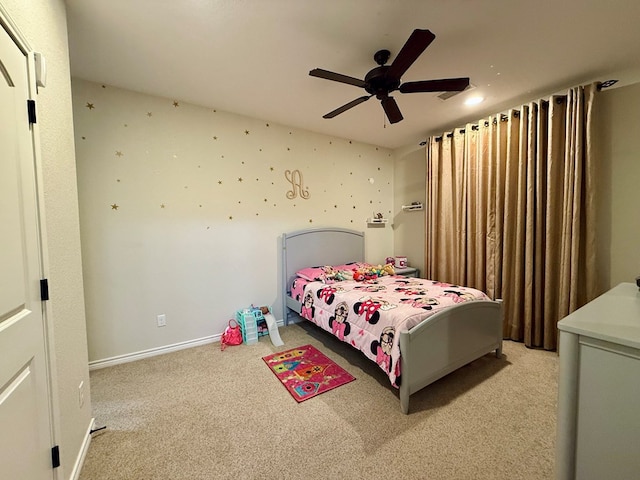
x=475, y=100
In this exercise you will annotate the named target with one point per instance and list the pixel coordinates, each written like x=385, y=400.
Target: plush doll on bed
x=370, y=272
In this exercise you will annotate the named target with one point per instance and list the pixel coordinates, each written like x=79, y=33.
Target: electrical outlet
x=81, y=394
x=162, y=320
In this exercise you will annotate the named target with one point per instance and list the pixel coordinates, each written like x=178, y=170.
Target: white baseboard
x=77, y=468
x=152, y=352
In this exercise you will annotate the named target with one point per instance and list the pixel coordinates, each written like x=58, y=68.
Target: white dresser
x=599, y=389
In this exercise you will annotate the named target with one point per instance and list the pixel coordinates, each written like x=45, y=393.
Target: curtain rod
x=503, y=117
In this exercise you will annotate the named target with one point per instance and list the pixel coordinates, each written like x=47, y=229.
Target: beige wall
x=202, y=202
x=409, y=186
x=43, y=24
x=619, y=201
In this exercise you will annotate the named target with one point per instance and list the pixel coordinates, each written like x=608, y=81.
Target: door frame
x=54, y=412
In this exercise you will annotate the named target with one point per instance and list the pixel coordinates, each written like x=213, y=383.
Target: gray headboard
x=315, y=247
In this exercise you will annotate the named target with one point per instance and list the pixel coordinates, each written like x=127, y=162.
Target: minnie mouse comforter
x=368, y=314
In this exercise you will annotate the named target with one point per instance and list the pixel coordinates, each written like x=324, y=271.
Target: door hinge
x=31, y=110
x=55, y=457
x=44, y=289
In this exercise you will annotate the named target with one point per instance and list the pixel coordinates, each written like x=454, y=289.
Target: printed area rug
x=305, y=372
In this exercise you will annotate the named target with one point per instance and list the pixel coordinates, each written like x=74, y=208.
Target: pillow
x=349, y=267
x=327, y=272
x=313, y=274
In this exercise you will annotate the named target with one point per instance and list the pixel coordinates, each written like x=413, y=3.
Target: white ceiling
x=252, y=57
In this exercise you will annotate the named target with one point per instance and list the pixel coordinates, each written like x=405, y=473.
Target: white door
x=25, y=420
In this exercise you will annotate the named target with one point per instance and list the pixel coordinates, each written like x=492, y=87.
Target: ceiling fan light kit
x=384, y=79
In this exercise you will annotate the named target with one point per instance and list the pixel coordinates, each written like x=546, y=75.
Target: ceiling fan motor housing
x=379, y=84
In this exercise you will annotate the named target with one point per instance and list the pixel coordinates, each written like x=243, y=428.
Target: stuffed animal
x=358, y=276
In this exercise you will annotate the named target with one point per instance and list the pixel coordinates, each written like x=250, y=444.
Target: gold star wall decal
x=90, y=106
x=240, y=179
x=119, y=153
x=230, y=217
x=149, y=114
x=219, y=182
x=246, y=132
x=114, y=206
x=271, y=168
x=176, y=104
x=162, y=205
x=215, y=138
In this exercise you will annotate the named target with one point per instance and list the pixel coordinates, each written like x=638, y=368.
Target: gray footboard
x=447, y=341
x=444, y=342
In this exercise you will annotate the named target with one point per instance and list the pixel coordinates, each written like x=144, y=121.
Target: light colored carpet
x=205, y=414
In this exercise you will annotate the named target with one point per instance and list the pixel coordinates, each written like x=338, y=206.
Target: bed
x=429, y=341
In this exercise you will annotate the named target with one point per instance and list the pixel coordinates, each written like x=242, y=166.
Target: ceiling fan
x=384, y=79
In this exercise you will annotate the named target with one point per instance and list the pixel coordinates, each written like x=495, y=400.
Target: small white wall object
x=41, y=69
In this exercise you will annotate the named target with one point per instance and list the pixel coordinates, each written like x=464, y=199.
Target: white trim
x=14, y=32
x=77, y=468
x=152, y=352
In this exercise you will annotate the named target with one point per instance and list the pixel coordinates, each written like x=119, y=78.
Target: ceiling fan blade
x=442, y=85
x=415, y=45
x=336, y=77
x=391, y=109
x=347, y=106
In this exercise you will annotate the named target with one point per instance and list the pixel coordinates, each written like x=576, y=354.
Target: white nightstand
x=408, y=272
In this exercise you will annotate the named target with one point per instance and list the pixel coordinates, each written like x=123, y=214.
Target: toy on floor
x=256, y=322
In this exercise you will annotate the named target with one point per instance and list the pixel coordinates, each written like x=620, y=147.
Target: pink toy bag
x=232, y=335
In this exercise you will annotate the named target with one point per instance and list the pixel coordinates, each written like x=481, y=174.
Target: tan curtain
x=510, y=211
